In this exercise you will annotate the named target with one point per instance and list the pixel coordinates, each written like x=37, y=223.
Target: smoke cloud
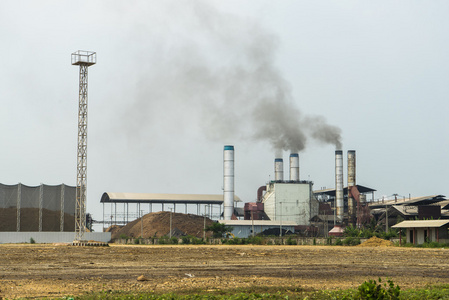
x=216, y=72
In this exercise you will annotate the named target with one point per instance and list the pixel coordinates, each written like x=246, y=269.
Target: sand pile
x=157, y=224
x=376, y=242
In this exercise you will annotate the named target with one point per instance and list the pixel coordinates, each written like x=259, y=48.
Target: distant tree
x=218, y=229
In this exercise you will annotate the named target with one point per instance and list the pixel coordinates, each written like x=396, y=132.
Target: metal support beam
x=84, y=59
x=19, y=200
x=41, y=202
x=61, y=219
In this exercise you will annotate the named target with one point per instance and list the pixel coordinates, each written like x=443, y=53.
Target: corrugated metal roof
x=257, y=223
x=331, y=192
x=424, y=200
x=163, y=198
x=421, y=224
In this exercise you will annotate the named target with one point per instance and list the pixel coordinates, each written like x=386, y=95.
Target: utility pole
x=84, y=59
x=170, y=221
x=280, y=220
x=141, y=223
x=204, y=230
x=386, y=218
x=252, y=222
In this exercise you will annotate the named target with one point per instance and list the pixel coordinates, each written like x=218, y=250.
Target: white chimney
x=339, y=184
x=294, y=167
x=228, y=182
x=351, y=182
x=278, y=169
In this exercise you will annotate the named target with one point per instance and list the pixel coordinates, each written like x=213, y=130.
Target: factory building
x=247, y=228
x=418, y=232
x=290, y=201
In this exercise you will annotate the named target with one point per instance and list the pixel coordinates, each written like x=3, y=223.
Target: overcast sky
x=175, y=81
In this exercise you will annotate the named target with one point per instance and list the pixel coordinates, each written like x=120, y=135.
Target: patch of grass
x=428, y=292
x=367, y=290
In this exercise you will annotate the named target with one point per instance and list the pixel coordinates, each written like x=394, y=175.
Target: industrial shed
x=209, y=205
x=422, y=231
x=245, y=228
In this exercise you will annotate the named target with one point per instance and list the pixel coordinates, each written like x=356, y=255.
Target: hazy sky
x=175, y=81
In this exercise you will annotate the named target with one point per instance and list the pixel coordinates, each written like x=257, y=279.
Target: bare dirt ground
x=60, y=270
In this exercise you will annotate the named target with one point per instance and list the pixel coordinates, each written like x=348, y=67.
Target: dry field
x=58, y=270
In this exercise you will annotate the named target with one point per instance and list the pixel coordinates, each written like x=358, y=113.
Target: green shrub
x=163, y=240
x=185, y=240
x=174, y=240
x=32, y=241
x=375, y=291
x=197, y=241
x=291, y=241
x=351, y=241
x=218, y=229
x=338, y=242
x=256, y=240
x=123, y=236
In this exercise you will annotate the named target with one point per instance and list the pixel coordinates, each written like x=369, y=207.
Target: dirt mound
x=157, y=224
x=113, y=229
x=376, y=242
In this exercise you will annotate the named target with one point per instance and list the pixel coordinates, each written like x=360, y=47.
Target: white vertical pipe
x=339, y=184
x=351, y=182
x=228, y=182
x=294, y=167
x=278, y=169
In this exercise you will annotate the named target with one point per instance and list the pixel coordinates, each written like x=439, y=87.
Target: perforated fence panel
x=37, y=208
x=8, y=204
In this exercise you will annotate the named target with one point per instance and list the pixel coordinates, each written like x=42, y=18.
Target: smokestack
x=351, y=183
x=278, y=169
x=339, y=184
x=228, y=182
x=294, y=167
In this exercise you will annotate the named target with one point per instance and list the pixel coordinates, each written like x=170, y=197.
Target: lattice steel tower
x=84, y=59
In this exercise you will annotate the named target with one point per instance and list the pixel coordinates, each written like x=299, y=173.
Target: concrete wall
x=244, y=231
x=51, y=237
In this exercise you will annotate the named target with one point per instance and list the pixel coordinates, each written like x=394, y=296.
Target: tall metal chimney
x=278, y=169
x=228, y=182
x=294, y=167
x=339, y=184
x=351, y=182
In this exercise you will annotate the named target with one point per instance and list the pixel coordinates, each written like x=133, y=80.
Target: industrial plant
x=285, y=205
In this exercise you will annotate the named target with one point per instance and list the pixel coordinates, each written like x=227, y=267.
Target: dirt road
x=58, y=270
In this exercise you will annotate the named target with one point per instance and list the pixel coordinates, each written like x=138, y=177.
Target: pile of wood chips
x=376, y=242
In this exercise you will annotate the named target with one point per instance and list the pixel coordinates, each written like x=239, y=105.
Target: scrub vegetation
x=371, y=289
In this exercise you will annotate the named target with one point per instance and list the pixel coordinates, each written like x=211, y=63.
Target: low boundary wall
x=51, y=237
